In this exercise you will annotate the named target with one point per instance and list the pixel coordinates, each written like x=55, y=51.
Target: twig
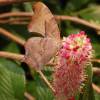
x=15, y=20
x=58, y=17
x=78, y=20
x=13, y=56
x=28, y=96
x=96, y=71
x=5, y=2
x=45, y=80
x=96, y=88
x=96, y=60
x=16, y=14
x=11, y=36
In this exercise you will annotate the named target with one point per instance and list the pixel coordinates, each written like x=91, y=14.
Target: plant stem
x=96, y=71
x=15, y=21
x=96, y=60
x=96, y=88
x=46, y=81
x=28, y=96
x=13, y=56
x=16, y=14
x=11, y=36
x=58, y=17
x=5, y=2
x=78, y=20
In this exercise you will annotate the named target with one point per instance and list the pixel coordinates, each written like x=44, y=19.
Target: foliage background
x=85, y=9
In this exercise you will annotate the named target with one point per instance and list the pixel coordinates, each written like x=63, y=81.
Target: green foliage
x=12, y=81
x=41, y=91
x=94, y=16
x=12, y=76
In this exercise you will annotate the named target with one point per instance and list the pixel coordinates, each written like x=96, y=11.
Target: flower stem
x=46, y=81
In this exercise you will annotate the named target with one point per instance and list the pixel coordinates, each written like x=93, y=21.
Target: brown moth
x=39, y=50
x=43, y=22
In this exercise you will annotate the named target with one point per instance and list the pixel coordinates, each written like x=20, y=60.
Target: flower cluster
x=75, y=53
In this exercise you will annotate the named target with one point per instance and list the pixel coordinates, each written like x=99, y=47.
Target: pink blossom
x=75, y=53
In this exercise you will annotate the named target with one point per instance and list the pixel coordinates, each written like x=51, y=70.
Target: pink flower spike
x=73, y=57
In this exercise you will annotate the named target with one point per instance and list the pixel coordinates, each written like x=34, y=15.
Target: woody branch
x=6, y=2
x=28, y=15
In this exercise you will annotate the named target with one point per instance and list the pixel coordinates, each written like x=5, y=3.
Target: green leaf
x=97, y=95
x=12, y=81
x=76, y=4
x=28, y=7
x=72, y=31
x=39, y=89
x=91, y=13
x=12, y=47
x=96, y=47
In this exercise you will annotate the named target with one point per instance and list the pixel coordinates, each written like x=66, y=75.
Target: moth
x=39, y=50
